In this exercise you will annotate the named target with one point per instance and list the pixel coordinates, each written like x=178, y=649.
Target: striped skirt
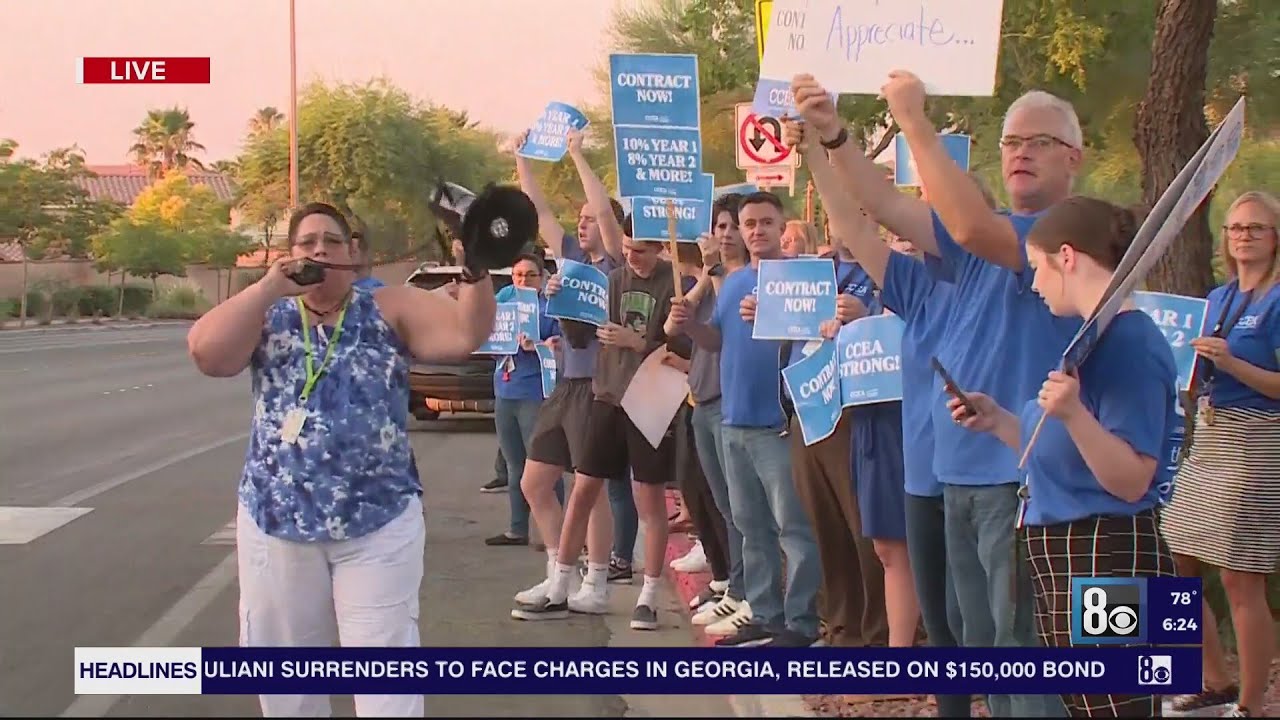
x=1110, y=546
x=1225, y=509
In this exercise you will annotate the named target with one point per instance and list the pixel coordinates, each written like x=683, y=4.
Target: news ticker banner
x=143, y=70
x=644, y=671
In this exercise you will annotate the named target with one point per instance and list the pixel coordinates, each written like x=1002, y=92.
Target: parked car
x=465, y=387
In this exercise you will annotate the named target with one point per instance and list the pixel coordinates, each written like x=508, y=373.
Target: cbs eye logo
x=1101, y=619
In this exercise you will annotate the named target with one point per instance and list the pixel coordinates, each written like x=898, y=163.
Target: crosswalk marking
x=226, y=535
x=21, y=525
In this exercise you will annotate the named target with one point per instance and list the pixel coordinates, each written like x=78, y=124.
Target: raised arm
x=436, y=327
x=597, y=199
x=222, y=341
x=904, y=215
x=549, y=226
x=953, y=194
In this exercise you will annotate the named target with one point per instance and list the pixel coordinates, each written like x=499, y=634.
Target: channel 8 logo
x=1155, y=670
x=1108, y=610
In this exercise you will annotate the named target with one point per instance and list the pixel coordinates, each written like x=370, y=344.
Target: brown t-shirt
x=641, y=304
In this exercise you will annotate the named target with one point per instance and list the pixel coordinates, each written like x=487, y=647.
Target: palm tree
x=264, y=121
x=165, y=141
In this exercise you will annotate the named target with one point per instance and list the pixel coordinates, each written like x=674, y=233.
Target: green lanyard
x=313, y=375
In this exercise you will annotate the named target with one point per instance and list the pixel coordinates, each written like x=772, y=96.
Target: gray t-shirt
x=641, y=304
x=704, y=366
x=580, y=362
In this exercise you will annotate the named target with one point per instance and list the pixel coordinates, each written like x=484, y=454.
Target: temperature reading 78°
x=1181, y=597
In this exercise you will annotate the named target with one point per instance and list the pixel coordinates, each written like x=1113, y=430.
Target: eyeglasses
x=1035, y=142
x=1254, y=230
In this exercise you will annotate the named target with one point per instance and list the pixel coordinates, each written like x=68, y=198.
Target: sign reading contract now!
x=794, y=297
x=583, y=296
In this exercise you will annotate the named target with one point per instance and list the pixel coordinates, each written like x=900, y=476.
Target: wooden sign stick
x=673, y=248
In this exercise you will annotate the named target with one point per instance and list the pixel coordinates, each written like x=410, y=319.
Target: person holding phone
x=1091, y=487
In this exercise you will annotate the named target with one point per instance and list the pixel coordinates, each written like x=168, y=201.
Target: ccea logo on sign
x=143, y=70
x=1108, y=611
x=1155, y=670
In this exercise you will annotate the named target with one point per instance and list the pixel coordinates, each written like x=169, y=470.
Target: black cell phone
x=952, y=388
x=305, y=272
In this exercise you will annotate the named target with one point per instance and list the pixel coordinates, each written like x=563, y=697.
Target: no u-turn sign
x=760, y=140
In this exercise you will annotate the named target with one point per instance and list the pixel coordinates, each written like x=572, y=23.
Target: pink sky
x=477, y=55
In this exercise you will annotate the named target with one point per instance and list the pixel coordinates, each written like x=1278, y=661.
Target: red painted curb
x=687, y=585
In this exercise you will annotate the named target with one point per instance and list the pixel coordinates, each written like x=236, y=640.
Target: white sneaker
x=590, y=600
x=717, y=612
x=730, y=626
x=694, y=562
x=535, y=594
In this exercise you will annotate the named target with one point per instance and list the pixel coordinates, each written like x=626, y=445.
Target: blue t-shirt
x=369, y=283
x=1255, y=338
x=1129, y=383
x=750, y=379
x=519, y=376
x=1001, y=340
x=923, y=303
x=581, y=362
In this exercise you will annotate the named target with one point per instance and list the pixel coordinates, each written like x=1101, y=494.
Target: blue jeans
x=768, y=513
x=708, y=439
x=626, y=521
x=992, y=587
x=927, y=549
x=514, y=421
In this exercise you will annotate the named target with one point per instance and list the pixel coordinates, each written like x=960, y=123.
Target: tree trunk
x=230, y=273
x=120, y=311
x=22, y=312
x=217, y=285
x=1169, y=127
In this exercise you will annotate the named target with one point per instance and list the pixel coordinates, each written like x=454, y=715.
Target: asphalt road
x=118, y=466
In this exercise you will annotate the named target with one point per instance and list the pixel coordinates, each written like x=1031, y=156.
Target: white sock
x=597, y=575
x=560, y=583
x=649, y=593
x=720, y=586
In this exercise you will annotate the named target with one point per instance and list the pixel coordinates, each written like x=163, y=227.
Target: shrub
x=181, y=302
x=137, y=298
x=99, y=300
x=66, y=301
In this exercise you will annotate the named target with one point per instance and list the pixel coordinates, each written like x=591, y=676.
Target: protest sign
x=657, y=120
x=869, y=351
x=659, y=162
x=794, y=297
x=528, y=323
x=584, y=294
x=693, y=217
x=905, y=172
x=814, y=385
x=548, y=138
x=1181, y=319
x=850, y=46
x=655, y=394
x=547, y=359
x=739, y=188
x=502, y=341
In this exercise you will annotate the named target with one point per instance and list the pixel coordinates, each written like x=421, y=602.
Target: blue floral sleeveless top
x=350, y=470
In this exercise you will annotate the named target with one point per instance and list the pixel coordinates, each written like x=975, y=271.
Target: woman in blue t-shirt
x=1093, y=475
x=1225, y=510
x=518, y=393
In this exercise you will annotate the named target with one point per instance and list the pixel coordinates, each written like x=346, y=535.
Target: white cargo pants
x=361, y=592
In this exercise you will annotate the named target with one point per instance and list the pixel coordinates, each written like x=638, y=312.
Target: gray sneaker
x=644, y=618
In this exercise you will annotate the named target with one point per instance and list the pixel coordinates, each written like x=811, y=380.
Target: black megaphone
x=494, y=226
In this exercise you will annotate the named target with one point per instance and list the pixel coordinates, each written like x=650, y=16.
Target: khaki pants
x=851, y=599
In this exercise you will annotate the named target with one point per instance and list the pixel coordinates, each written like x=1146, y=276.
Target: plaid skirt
x=1099, y=546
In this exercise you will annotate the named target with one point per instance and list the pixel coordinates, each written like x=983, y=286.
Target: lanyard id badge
x=291, y=428
x=1226, y=322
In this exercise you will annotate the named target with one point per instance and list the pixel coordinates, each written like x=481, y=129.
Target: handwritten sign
x=547, y=359
x=850, y=46
x=1180, y=318
x=870, y=356
x=548, y=138
x=794, y=297
x=659, y=162
x=905, y=172
x=584, y=294
x=528, y=322
x=739, y=188
x=693, y=217
x=814, y=385
x=650, y=90
x=502, y=341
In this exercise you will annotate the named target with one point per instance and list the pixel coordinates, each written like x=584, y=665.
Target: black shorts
x=561, y=428
x=614, y=444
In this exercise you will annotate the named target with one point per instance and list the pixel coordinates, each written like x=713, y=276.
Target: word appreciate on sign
x=143, y=70
x=528, y=322
x=905, y=171
x=657, y=118
x=793, y=298
x=547, y=359
x=851, y=46
x=549, y=137
x=869, y=351
x=503, y=340
x=693, y=217
x=583, y=296
x=617, y=671
x=1181, y=319
x=814, y=385
x=1129, y=610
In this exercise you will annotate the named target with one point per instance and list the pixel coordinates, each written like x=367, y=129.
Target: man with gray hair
x=983, y=253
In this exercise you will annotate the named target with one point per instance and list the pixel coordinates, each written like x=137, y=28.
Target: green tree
x=147, y=248
x=165, y=140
